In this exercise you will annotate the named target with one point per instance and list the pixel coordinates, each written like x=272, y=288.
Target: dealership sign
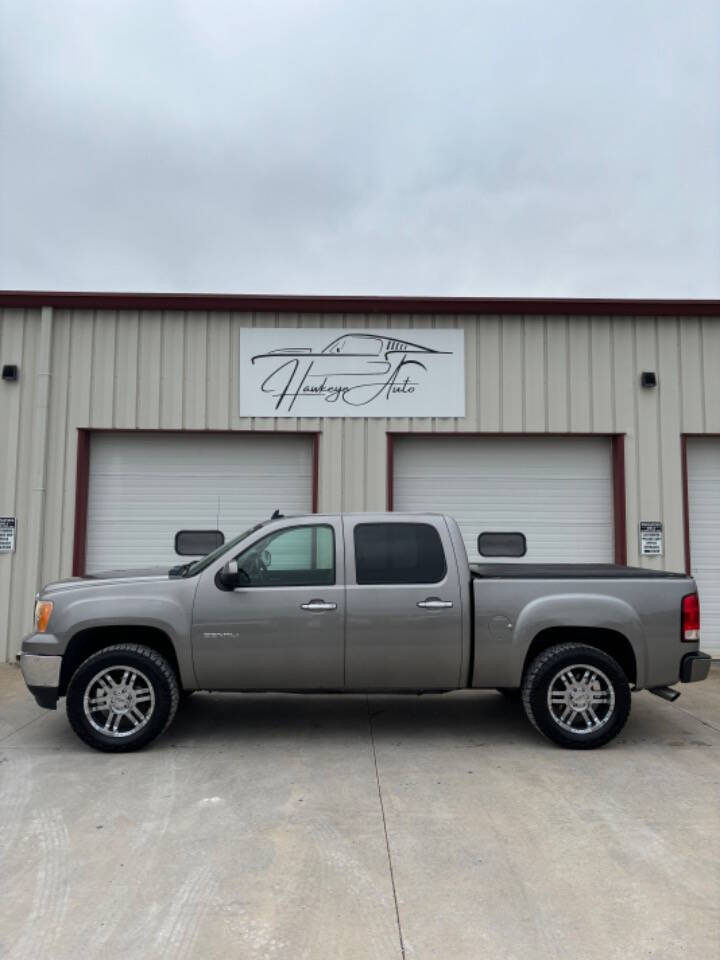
x=351, y=373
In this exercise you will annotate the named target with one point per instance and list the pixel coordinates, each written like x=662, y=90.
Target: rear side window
x=398, y=553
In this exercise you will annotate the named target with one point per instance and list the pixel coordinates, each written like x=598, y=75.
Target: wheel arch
x=612, y=642
x=91, y=640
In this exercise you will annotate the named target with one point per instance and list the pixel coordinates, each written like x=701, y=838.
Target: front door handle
x=435, y=603
x=318, y=605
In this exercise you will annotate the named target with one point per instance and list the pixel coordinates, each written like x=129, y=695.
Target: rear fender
x=592, y=610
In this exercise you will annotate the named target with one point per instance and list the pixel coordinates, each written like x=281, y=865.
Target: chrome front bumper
x=40, y=671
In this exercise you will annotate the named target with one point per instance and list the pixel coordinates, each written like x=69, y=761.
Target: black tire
x=513, y=694
x=157, y=687
x=573, y=660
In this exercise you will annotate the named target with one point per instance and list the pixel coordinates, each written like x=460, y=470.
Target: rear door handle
x=318, y=605
x=435, y=603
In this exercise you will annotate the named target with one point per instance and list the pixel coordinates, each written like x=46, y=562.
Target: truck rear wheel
x=122, y=697
x=576, y=695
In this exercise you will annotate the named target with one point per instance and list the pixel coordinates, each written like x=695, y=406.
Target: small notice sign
x=7, y=534
x=651, y=538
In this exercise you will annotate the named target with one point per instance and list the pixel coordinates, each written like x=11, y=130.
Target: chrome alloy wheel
x=118, y=701
x=581, y=698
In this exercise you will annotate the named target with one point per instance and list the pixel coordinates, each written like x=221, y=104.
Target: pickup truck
x=361, y=603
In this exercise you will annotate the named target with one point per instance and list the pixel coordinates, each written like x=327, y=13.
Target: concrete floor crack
x=385, y=830
x=705, y=723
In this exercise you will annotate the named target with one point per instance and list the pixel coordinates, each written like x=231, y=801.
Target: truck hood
x=105, y=576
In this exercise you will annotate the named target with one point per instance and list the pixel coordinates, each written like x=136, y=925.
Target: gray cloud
x=472, y=147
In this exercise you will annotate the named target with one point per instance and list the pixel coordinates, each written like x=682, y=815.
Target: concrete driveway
x=349, y=827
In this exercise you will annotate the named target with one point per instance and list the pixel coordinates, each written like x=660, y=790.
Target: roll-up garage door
x=557, y=491
x=145, y=487
x=703, y=468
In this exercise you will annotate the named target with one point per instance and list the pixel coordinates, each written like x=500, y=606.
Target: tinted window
x=398, y=553
x=492, y=544
x=197, y=543
x=295, y=557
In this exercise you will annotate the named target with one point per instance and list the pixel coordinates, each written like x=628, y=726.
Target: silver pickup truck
x=362, y=602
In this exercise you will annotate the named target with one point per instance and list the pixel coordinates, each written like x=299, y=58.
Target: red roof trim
x=361, y=305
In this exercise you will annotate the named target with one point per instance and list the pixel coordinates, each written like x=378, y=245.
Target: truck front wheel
x=576, y=695
x=122, y=697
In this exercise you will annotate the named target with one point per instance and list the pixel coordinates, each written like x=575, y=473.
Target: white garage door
x=144, y=487
x=703, y=461
x=557, y=491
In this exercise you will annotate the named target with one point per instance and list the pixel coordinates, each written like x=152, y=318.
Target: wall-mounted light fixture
x=648, y=379
x=10, y=372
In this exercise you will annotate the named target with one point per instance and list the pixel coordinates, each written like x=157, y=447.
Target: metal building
x=592, y=426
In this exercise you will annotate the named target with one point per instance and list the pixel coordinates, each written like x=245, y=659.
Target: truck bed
x=568, y=571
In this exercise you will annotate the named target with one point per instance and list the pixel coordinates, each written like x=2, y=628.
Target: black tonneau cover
x=568, y=571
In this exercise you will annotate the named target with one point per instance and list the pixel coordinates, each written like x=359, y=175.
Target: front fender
x=170, y=615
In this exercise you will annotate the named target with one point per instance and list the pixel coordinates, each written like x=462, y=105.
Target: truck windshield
x=190, y=569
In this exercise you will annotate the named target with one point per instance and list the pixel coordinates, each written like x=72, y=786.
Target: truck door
x=285, y=627
x=403, y=602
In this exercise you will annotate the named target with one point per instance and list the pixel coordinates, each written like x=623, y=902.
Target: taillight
x=691, y=618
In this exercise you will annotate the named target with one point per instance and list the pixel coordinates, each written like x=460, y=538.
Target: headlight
x=43, y=609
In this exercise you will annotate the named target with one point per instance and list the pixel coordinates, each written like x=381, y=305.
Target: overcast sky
x=455, y=147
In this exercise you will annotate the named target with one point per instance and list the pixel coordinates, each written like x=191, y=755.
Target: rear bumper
x=42, y=676
x=695, y=667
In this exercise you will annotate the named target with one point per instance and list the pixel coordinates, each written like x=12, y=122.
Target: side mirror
x=491, y=544
x=230, y=576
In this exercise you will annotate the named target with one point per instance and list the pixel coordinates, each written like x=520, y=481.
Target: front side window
x=398, y=553
x=295, y=557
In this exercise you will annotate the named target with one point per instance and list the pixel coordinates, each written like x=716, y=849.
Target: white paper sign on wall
x=7, y=534
x=351, y=373
x=651, y=538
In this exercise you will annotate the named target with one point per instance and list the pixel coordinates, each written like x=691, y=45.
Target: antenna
x=276, y=515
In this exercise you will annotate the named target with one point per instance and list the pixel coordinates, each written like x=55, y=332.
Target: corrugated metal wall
x=173, y=370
